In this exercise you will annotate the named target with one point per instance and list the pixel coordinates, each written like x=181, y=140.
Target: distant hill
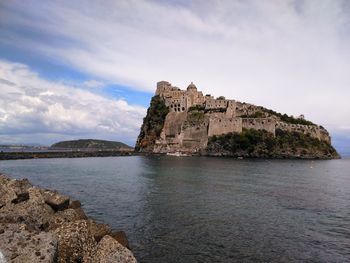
x=91, y=144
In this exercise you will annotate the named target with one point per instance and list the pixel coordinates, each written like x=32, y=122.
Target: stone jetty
x=40, y=225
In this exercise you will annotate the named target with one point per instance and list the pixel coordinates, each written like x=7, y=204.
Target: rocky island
x=41, y=225
x=91, y=144
x=188, y=122
x=81, y=148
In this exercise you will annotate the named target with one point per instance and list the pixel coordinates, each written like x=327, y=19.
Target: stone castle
x=194, y=117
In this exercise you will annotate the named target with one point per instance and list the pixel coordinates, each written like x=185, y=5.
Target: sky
x=87, y=69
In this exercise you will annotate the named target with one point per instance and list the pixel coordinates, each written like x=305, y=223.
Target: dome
x=191, y=87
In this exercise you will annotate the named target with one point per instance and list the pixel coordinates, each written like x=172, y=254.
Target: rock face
x=109, y=250
x=186, y=121
x=18, y=244
x=38, y=225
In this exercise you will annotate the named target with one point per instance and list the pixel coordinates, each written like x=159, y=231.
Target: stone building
x=193, y=118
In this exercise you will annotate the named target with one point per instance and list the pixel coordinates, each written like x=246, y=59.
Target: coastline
x=41, y=225
x=62, y=154
x=86, y=154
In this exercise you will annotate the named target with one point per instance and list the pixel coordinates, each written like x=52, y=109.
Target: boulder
x=110, y=251
x=74, y=204
x=6, y=195
x=4, y=179
x=39, y=225
x=65, y=216
x=35, y=215
x=13, y=191
x=98, y=230
x=21, y=189
x=57, y=201
x=75, y=242
x=36, y=195
x=21, y=245
x=120, y=236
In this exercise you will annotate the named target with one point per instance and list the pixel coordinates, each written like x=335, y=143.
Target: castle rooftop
x=191, y=87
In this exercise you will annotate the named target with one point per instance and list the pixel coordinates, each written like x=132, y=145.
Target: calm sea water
x=197, y=209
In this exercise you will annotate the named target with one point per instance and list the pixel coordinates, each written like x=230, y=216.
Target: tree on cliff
x=152, y=124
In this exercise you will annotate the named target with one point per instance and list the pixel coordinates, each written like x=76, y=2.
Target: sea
x=208, y=209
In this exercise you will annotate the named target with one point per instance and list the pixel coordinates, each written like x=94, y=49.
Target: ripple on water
x=210, y=209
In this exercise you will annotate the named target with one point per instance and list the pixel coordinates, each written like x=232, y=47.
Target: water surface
x=198, y=209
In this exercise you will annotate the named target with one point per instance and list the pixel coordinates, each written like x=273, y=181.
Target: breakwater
x=61, y=154
x=41, y=225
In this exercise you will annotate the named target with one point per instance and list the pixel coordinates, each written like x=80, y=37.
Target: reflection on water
x=197, y=209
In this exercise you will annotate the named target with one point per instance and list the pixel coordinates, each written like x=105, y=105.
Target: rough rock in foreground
x=38, y=225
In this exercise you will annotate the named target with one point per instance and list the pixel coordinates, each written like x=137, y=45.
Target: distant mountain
x=91, y=144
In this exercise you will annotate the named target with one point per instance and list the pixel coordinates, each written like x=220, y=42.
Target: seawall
x=41, y=225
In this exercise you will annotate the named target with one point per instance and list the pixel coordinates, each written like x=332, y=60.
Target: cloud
x=93, y=84
x=289, y=55
x=46, y=110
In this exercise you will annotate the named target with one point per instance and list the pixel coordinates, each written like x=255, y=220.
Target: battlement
x=310, y=130
x=267, y=124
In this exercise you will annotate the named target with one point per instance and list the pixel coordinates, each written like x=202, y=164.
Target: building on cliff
x=192, y=118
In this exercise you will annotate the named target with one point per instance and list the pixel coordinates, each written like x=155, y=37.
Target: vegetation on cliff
x=196, y=108
x=194, y=117
x=264, y=113
x=152, y=124
x=90, y=144
x=257, y=114
x=288, y=119
x=260, y=144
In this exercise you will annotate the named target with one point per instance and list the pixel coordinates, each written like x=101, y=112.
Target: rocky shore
x=40, y=225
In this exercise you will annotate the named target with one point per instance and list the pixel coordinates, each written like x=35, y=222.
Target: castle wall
x=222, y=125
x=266, y=124
x=179, y=100
x=195, y=137
x=246, y=109
x=311, y=130
x=231, y=109
x=211, y=103
x=175, y=137
x=177, y=104
x=164, y=86
x=172, y=127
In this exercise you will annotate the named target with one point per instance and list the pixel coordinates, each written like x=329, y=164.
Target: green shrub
x=196, y=108
x=194, y=118
x=288, y=119
x=257, y=114
x=254, y=142
x=153, y=122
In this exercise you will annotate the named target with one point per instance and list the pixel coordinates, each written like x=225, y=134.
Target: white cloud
x=93, y=84
x=292, y=56
x=46, y=110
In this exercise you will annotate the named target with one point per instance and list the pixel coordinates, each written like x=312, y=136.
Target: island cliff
x=186, y=121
